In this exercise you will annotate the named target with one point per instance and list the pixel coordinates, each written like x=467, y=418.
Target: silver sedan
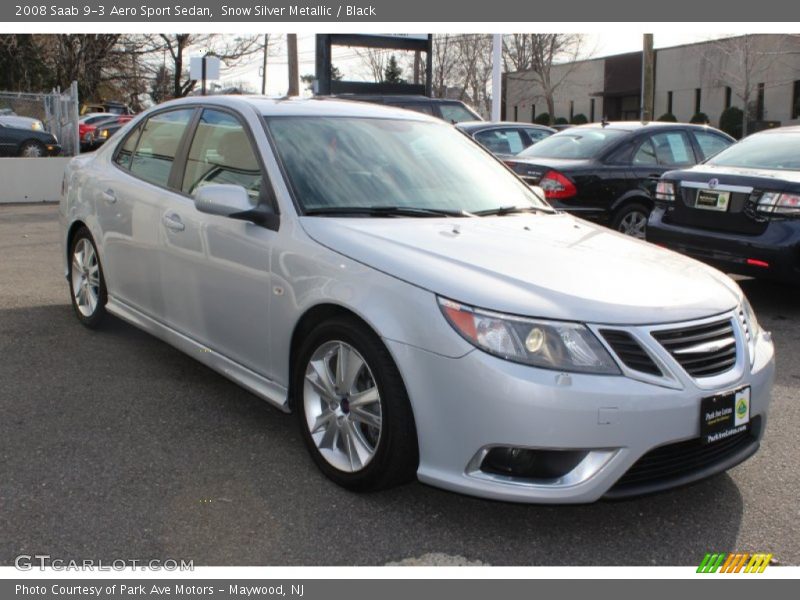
x=421, y=310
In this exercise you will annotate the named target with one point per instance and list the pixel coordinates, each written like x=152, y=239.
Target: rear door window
x=158, y=144
x=502, y=141
x=455, y=113
x=672, y=149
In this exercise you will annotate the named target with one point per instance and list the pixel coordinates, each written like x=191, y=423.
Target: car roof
x=316, y=107
x=638, y=125
x=785, y=129
x=476, y=125
x=397, y=98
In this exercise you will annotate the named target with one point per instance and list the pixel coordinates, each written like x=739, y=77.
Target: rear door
x=129, y=201
x=503, y=140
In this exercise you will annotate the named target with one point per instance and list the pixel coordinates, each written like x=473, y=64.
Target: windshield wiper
x=386, y=211
x=509, y=210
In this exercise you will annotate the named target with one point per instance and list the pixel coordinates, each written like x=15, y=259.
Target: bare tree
x=538, y=53
x=374, y=60
x=744, y=61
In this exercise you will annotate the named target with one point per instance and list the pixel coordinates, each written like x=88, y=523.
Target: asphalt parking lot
x=115, y=445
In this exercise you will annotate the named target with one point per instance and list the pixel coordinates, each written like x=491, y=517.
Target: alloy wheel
x=342, y=406
x=634, y=224
x=85, y=274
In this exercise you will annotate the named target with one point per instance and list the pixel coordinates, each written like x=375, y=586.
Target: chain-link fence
x=57, y=112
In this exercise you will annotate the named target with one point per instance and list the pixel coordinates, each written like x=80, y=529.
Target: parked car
x=87, y=124
x=100, y=131
x=740, y=210
x=608, y=172
x=25, y=140
x=505, y=138
x=22, y=122
x=109, y=106
x=452, y=111
x=420, y=309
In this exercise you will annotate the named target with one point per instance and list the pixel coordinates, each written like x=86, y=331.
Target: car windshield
x=336, y=163
x=768, y=151
x=577, y=143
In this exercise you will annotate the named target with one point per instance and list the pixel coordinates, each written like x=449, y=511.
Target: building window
x=571, y=110
x=669, y=102
x=728, y=96
x=533, y=113
x=515, y=112
x=696, y=100
x=591, y=104
x=796, y=101
x=760, y=103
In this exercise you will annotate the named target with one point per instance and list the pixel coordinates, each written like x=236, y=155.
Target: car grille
x=703, y=350
x=630, y=352
x=684, y=458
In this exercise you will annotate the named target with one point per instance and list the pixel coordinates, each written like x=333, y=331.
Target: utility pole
x=294, y=72
x=417, y=63
x=497, y=60
x=264, y=66
x=648, y=77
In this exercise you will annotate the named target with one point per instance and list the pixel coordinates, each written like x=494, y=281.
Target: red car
x=89, y=122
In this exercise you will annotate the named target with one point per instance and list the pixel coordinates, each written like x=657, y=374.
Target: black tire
x=96, y=318
x=396, y=455
x=32, y=148
x=628, y=211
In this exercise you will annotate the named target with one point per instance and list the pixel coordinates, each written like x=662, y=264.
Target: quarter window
x=125, y=152
x=221, y=152
x=158, y=145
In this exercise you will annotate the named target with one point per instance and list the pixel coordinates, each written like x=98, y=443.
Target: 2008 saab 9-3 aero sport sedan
x=417, y=306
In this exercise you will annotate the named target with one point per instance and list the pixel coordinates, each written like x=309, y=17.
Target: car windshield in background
x=378, y=164
x=575, y=143
x=767, y=151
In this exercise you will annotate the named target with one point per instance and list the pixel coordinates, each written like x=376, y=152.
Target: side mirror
x=232, y=201
x=221, y=199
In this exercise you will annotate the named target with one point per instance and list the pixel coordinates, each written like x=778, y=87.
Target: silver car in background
x=417, y=306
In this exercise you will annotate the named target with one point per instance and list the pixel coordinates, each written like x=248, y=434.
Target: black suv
x=452, y=111
x=607, y=172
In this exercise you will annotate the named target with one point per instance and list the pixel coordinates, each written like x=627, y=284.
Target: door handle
x=173, y=222
x=109, y=196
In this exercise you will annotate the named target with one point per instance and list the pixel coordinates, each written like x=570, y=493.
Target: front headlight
x=751, y=326
x=560, y=345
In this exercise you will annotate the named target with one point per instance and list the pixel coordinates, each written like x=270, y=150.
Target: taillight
x=557, y=186
x=665, y=191
x=787, y=205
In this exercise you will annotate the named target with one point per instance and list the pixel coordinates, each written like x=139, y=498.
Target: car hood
x=545, y=265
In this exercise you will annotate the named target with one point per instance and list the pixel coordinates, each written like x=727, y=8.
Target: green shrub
x=730, y=121
x=668, y=117
x=700, y=118
x=579, y=119
x=561, y=121
x=542, y=119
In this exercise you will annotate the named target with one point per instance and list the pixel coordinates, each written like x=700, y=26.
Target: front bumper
x=778, y=246
x=466, y=405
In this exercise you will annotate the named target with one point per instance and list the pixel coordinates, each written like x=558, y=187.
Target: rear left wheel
x=86, y=283
x=632, y=220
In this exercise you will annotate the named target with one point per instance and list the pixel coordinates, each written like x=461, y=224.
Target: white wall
x=31, y=179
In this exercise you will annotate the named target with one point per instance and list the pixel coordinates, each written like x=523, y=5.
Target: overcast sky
x=346, y=60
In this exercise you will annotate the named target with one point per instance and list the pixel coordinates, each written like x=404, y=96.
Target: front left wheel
x=86, y=283
x=353, y=408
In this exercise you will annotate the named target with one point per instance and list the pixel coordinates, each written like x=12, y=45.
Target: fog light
x=525, y=463
x=535, y=340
